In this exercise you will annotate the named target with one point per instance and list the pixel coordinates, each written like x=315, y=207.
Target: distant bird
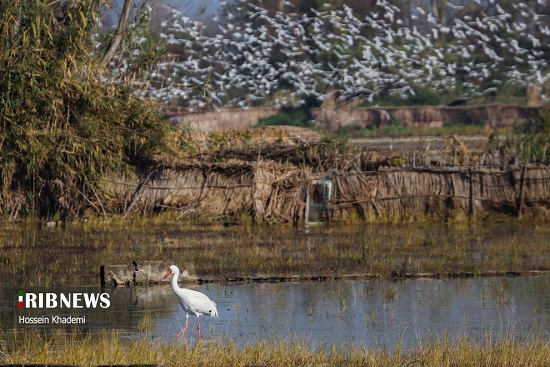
x=192, y=302
x=51, y=224
x=460, y=101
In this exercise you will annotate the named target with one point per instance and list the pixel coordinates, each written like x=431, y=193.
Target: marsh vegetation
x=114, y=350
x=72, y=253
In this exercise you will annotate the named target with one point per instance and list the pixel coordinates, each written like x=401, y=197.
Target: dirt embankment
x=490, y=116
x=229, y=119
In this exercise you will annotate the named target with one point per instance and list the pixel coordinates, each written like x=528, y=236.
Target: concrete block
x=142, y=273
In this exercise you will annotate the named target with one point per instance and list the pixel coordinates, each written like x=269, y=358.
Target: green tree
x=64, y=125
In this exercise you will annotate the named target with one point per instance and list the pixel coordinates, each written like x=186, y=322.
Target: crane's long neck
x=175, y=280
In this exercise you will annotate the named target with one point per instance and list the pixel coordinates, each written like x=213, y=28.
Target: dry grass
x=114, y=350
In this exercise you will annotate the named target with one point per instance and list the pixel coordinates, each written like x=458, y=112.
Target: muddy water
x=366, y=313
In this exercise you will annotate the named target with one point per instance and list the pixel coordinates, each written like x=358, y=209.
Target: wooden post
x=471, y=198
x=137, y=192
x=521, y=195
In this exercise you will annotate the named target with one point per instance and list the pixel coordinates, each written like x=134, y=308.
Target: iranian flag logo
x=20, y=304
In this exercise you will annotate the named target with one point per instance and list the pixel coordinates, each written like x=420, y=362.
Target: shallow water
x=366, y=313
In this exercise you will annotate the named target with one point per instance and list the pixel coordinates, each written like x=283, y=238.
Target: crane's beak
x=166, y=275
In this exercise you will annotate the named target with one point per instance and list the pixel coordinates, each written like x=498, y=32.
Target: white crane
x=192, y=302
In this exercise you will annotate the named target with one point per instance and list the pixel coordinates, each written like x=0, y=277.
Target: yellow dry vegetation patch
x=105, y=349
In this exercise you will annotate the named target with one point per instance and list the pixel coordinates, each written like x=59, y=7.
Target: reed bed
x=111, y=349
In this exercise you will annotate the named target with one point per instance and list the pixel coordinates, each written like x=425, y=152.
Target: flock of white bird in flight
x=335, y=52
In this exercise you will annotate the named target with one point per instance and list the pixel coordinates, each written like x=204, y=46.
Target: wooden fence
x=273, y=192
x=441, y=191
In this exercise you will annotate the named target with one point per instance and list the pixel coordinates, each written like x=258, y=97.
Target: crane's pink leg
x=185, y=327
x=199, y=326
